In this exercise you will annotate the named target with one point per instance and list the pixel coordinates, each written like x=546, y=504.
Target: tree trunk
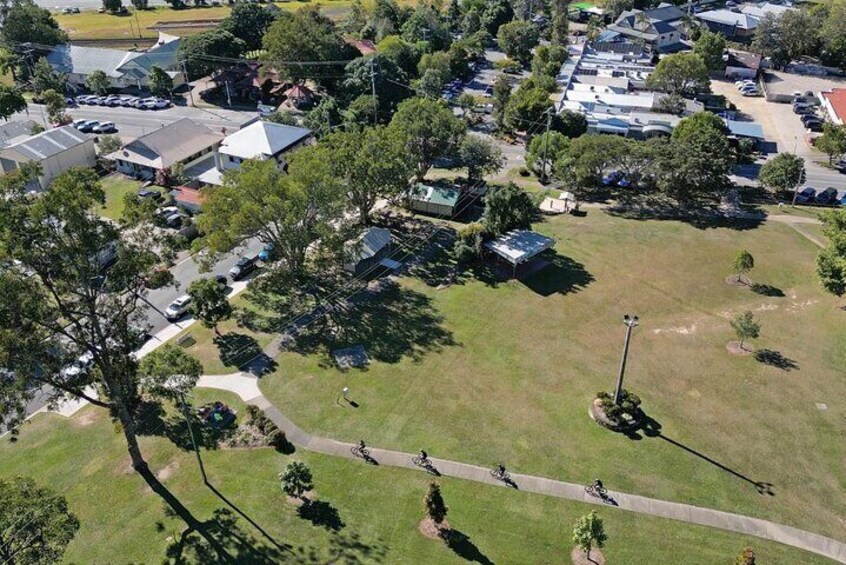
x=127, y=422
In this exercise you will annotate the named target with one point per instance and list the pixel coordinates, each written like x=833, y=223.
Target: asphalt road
x=184, y=273
x=133, y=123
x=56, y=5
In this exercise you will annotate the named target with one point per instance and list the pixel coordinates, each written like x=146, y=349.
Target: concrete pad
x=245, y=386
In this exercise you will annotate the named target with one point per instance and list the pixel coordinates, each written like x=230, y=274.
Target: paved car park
x=785, y=132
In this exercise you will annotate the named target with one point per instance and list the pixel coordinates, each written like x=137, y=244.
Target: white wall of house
x=82, y=155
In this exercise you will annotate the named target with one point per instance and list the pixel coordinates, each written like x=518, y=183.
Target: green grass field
x=116, y=187
x=90, y=25
x=485, y=372
x=364, y=514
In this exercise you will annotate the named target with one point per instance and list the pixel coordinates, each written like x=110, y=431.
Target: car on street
x=800, y=109
x=88, y=126
x=105, y=127
x=750, y=92
x=827, y=197
x=81, y=365
x=242, y=268
x=266, y=253
x=178, y=308
x=806, y=195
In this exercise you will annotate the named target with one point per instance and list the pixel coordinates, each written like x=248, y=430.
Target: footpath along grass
x=487, y=372
x=362, y=514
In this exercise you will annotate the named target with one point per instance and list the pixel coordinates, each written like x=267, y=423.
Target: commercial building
x=124, y=69
x=55, y=150
x=658, y=28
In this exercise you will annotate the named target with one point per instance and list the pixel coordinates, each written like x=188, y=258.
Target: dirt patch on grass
x=428, y=528
x=294, y=501
x=167, y=471
x=735, y=348
x=84, y=418
x=579, y=558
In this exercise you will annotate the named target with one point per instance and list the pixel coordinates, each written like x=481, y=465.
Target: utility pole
x=631, y=322
x=546, y=143
x=373, y=89
x=187, y=82
x=191, y=433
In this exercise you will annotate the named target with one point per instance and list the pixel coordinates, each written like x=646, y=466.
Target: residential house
x=124, y=69
x=55, y=150
x=742, y=65
x=185, y=142
x=658, y=28
x=834, y=105
x=761, y=10
x=734, y=25
x=369, y=250
x=435, y=200
x=256, y=140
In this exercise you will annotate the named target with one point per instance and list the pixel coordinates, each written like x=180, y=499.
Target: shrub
x=523, y=172
x=277, y=439
x=254, y=411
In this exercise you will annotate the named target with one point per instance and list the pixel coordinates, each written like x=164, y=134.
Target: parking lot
x=784, y=132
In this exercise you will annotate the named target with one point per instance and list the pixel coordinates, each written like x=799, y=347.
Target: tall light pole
x=631, y=322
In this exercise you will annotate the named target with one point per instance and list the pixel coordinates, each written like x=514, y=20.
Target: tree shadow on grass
x=704, y=215
x=392, y=324
x=563, y=275
x=651, y=428
x=241, y=351
x=463, y=546
x=155, y=421
x=767, y=290
x=321, y=513
x=775, y=359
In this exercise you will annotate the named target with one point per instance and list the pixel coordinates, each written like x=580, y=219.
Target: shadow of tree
x=461, y=544
x=394, y=323
x=767, y=290
x=775, y=359
x=563, y=275
x=321, y=513
x=155, y=421
x=237, y=350
x=704, y=215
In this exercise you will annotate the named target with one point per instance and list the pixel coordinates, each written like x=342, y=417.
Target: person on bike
x=361, y=446
x=501, y=470
x=597, y=484
x=423, y=455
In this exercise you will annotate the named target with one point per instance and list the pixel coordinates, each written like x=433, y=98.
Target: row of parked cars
x=243, y=267
x=805, y=105
x=113, y=100
x=827, y=197
x=747, y=87
x=94, y=126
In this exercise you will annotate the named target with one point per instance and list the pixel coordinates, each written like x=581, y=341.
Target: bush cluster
x=629, y=408
x=275, y=437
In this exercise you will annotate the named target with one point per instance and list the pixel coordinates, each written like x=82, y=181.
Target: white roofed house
x=124, y=69
x=257, y=140
x=55, y=150
x=184, y=141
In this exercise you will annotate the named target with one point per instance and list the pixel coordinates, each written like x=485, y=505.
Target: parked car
x=745, y=82
x=750, y=92
x=77, y=123
x=266, y=254
x=242, y=268
x=81, y=365
x=842, y=201
x=806, y=195
x=815, y=126
x=827, y=197
x=800, y=109
x=178, y=308
x=88, y=126
x=105, y=127
x=616, y=178
x=154, y=194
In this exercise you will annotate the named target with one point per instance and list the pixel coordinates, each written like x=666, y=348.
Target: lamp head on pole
x=630, y=321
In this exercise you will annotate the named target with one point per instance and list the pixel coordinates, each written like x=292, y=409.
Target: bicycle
x=362, y=452
x=421, y=461
x=593, y=490
x=501, y=475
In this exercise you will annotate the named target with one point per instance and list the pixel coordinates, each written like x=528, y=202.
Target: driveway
x=783, y=127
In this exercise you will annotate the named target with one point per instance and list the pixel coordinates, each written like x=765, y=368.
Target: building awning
x=518, y=246
x=659, y=128
x=751, y=130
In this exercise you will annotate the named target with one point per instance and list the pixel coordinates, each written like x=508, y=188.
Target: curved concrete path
x=246, y=387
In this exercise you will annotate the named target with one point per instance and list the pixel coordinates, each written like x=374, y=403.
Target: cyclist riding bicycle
x=361, y=445
x=501, y=469
x=597, y=484
x=423, y=455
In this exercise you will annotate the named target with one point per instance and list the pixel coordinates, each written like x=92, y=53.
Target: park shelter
x=434, y=199
x=519, y=246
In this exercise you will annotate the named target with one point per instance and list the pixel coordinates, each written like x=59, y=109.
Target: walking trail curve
x=245, y=386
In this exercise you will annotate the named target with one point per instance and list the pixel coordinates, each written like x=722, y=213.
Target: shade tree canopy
x=430, y=131
x=517, y=39
x=680, y=73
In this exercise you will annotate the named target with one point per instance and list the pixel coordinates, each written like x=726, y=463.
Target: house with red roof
x=834, y=104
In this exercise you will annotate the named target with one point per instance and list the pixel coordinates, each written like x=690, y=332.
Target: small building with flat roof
x=436, y=200
x=519, y=246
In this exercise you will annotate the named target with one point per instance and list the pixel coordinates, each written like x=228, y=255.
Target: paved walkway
x=245, y=386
